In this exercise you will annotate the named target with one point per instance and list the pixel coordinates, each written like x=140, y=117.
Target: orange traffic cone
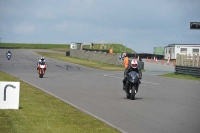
x=162, y=62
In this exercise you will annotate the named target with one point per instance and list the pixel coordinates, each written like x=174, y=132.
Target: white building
x=172, y=50
x=75, y=45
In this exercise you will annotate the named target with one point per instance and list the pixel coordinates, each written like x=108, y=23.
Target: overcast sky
x=140, y=24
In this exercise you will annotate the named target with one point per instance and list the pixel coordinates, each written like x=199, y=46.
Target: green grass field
x=42, y=113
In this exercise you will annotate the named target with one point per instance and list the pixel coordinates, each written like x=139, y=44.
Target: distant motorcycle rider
x=132, y=67
x=8, y=53
x=41, y=61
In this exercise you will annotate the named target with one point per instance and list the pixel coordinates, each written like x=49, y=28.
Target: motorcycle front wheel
x=132, y=92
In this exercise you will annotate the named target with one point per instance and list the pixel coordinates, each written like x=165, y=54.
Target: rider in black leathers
x=132, y=67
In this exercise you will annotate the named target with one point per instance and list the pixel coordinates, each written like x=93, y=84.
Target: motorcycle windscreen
x=42, y=66
x=133, y=77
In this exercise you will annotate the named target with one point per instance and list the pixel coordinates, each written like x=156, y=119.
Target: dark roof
x=182, y=44
x=173, y=45
x=77, y=42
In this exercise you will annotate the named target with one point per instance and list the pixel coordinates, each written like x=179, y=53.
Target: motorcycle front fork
x=128, y=87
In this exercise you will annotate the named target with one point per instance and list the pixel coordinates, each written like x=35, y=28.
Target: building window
x=184, y=50
x=195, y=51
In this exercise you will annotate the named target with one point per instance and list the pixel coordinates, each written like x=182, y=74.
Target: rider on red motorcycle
x=41, y=61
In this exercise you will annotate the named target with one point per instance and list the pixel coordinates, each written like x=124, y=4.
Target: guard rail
x=195, y=71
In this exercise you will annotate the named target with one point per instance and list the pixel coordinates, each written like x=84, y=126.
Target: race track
x=162, y=105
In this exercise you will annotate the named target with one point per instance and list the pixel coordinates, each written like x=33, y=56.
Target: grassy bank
x=181, y=76
x=42, y=113
x=56, y=47
x=118, y=48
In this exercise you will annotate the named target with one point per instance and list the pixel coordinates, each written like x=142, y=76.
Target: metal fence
x=187, y=64
x=195, y=71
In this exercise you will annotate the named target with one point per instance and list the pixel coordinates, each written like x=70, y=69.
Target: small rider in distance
x=8, y=53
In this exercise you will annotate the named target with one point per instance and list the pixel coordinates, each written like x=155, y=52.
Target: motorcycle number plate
x=130, y=91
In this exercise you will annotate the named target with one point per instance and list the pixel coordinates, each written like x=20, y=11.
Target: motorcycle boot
x=124, y=83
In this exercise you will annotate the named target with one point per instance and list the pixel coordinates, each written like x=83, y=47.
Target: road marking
x=111, y=75
x=150, y=82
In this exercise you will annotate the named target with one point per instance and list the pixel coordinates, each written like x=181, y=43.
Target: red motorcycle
x=41, y=69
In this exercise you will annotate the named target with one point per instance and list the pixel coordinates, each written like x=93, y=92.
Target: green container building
x=158, y=50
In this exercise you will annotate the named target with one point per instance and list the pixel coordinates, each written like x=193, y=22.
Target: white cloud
x=24, y=29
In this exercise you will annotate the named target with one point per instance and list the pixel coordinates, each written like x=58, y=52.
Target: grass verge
x=181, y=76
x=42, y=113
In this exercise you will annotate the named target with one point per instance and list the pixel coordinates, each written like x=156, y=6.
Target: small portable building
x=158, y=50
x=75, y=45
x=172, y=50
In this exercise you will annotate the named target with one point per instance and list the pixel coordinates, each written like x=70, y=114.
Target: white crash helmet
x=134, y=63
x=42, y=58
x=124, y=54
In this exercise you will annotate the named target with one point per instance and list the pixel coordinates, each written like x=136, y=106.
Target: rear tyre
x=133, y=93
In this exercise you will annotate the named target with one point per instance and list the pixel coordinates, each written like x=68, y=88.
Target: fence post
x=189, y=60
x=177, y=59
x=193, y=60
x=198, y=65
x=181, y=57
x=185, y=59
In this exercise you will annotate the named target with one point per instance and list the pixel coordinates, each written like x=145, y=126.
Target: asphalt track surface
x=162, y=105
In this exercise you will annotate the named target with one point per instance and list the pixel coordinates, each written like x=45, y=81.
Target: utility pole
x=0, y=40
